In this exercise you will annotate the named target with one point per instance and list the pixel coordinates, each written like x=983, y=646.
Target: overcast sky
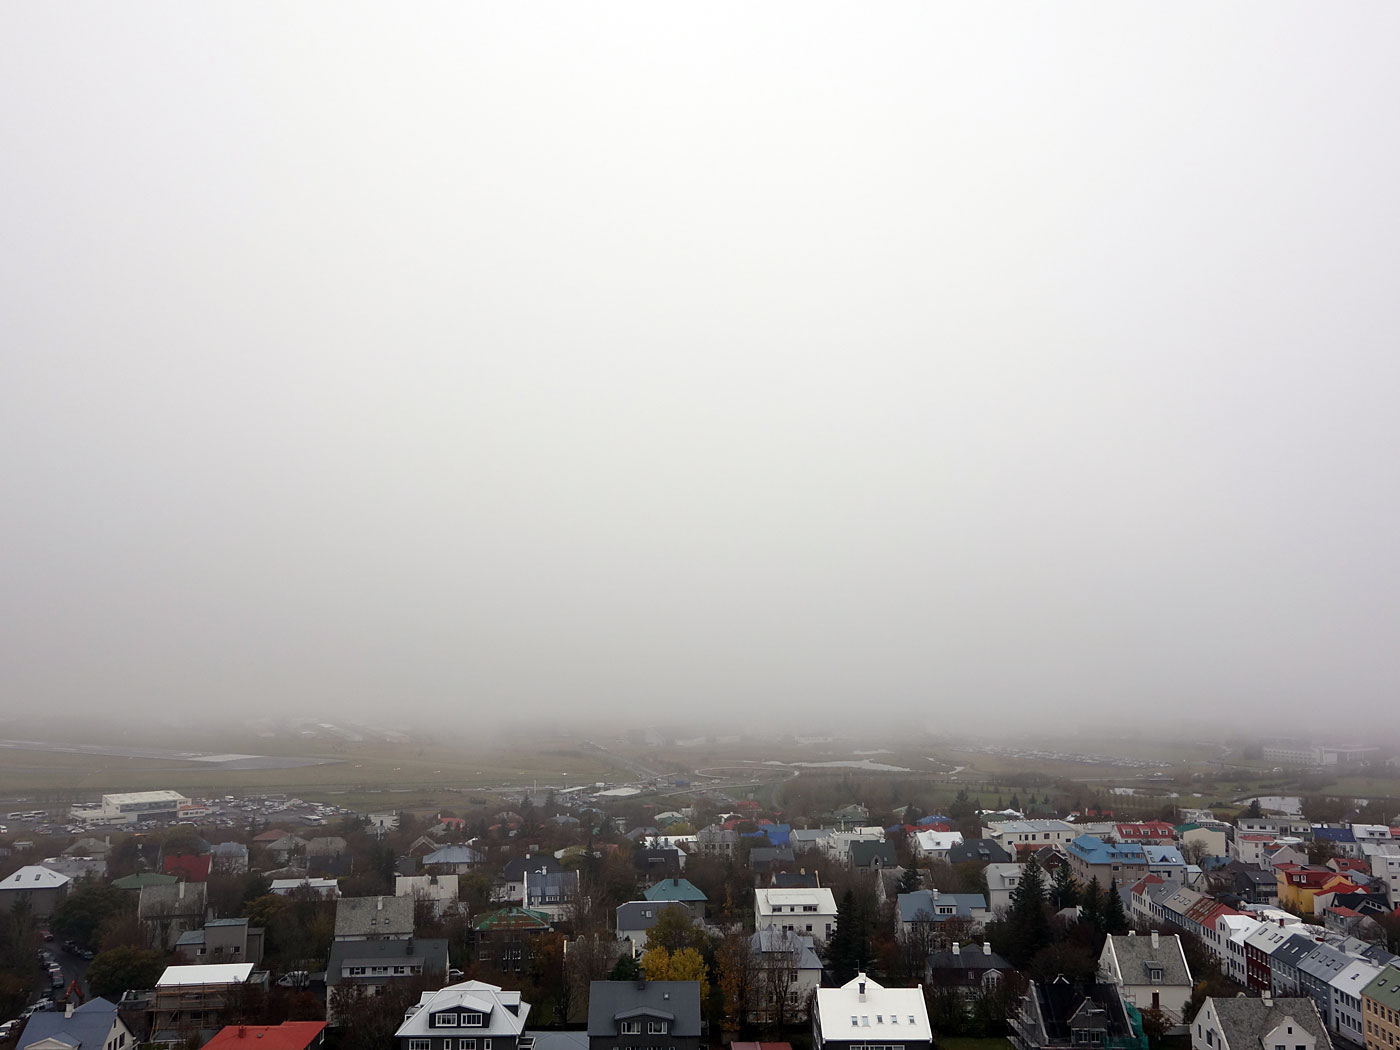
x=726, y=359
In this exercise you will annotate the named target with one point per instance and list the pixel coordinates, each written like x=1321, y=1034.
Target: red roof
x=289, y=1035
x=193, y=868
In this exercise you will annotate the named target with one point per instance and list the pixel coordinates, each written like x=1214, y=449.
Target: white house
x=935, y=844
x=1002, y=880
x=1258, y=1024
x=864, y=1013
x=1150, y=971
x=439, y=890
x=810, y=911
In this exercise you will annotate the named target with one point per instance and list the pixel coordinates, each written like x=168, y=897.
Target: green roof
x=513, y=918
x=144, y=878
x=680, y=890
x=1385, y=988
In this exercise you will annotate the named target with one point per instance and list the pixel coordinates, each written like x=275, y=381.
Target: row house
x=1016, y=833
x=1146, y=833
x=1259, y=948
x=1380, y=1003
x=1283, y=964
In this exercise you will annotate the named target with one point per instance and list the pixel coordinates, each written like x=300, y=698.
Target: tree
x=1254, y=810
x=684, y=964
x=83, y=912
x=1065, y=892
x=910, y=881
x=113, y=972
x=739, y=972
x=676, y=929
x=625, y=969
x=1091, y=905
x=1027, y=918
x=848, y=951
x=1115, y=917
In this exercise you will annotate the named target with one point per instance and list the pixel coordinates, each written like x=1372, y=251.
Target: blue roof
x=1333, y=834
x=87, y=1028
x=1094, y=850
x=1163, y=854
x=934, y=818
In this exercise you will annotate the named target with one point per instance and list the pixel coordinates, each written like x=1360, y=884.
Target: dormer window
x=471, y=1019
x=656, y=1028
x=445, y=1021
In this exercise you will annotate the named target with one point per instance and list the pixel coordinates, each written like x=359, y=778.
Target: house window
x=471, y=1019
x=656, y=1028
x=445, y=1021
x=466, y=1044
x=630, y=1027
x=418, y=1044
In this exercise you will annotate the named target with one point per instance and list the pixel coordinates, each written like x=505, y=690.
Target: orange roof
x=289, y=1035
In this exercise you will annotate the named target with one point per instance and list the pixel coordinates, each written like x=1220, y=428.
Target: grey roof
x=1136, y=959
x=989, y=850
x=967, y=957
x=87, y=1028
x=770, y=855
x=230, y=849
x=169, y=899
x=454, y=855
x=1292, y=951
x=612, y=1001
x=1324, y=963
x=793, y=880
x=912, y=906
x=431, y=950
x=642, y=915
x=863, y=851
x=374, y=917
x=772, y=940
x=547, y=1040
x=517, y=867
x=1246, y=1021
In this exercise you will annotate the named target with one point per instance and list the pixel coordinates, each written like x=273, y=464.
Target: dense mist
x=805, y=364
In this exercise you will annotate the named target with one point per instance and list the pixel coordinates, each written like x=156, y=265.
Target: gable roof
x=675, y=1001
x=863, y=1010
x=513, y=918
x=516, y=867
x=432, y=951
x=864, y=851
x=86, y=1029
x=1246, y=1021
x=1132, y=960
x=374, y=916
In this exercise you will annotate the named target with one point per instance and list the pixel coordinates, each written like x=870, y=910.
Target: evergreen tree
x=910, y=881
x=1254, y=810
x=1091, y=905
x=1027, y=919
x=848, y=951
x=1115, y=918
x=1065, y=892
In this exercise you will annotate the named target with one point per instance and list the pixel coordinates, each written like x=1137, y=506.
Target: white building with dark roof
x=472, y=1015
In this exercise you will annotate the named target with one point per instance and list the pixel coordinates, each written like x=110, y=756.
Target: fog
x=907, y=364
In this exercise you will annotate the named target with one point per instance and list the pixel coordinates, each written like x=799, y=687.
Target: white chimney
x=379, y=904
x=180, y=891
x=861, y=987
x=1154, y=940
x=68, y=1009
x=956, y=950
x=986, y=947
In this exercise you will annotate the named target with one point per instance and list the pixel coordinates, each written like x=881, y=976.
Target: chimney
x=861, y=986
x=68, y=1009
x=243, y=1031
x=675, y=880
x=180, y=892
x=379, y=904
x=986, y=947
x=956, y=949
x=1267, y=998
x=1154, y=940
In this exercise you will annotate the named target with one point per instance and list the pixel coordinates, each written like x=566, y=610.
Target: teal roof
x=681, y=890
